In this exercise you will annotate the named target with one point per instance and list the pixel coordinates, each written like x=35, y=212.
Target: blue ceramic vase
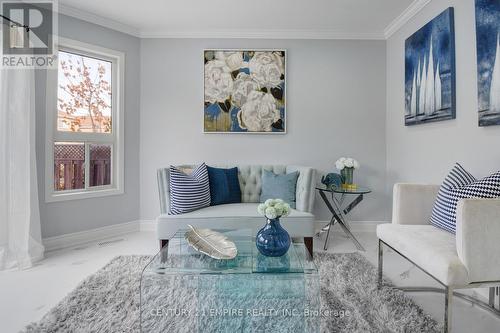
x=272, y=240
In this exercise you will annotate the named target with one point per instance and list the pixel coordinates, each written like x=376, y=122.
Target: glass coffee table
x=186, y=291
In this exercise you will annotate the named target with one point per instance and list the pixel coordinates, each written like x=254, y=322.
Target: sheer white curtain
x=20, y=236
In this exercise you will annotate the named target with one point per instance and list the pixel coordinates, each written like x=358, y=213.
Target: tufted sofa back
x=250, y=184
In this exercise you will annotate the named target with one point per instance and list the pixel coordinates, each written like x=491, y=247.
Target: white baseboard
x=356, y=226
x=147, y=225
x=87, y=236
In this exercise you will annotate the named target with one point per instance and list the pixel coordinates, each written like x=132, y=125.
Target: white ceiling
x=364, y=19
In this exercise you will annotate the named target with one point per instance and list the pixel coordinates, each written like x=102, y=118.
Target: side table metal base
x=338, y=217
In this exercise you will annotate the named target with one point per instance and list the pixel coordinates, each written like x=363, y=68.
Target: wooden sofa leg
x=308, y=242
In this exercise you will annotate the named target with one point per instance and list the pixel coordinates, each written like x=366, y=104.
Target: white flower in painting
x=233, y=60
x=258, y=113
x=218, y=81
x=271, y=213
x=339, y=165
x=243, y=86
x=266, y=68
x=356, y=164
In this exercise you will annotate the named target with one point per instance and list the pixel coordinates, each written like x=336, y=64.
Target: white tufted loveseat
x=244, y=214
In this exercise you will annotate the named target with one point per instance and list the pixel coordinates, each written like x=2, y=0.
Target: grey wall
x=344, y=98
x=425, y=153
x=77, y=215
x=335, y=107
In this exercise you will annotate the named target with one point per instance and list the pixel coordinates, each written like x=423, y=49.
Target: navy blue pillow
x=224, y=186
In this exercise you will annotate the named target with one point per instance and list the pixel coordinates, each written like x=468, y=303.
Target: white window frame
x=116, y=138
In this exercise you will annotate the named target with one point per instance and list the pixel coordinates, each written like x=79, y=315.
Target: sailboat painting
x=430, y=72
x=488, y=61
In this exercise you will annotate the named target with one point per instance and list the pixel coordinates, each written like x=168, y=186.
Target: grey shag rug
x=108, y=301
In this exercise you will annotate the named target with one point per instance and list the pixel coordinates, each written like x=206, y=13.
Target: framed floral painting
x=244, y=91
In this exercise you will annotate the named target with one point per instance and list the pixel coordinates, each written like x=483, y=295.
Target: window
x=84, y=151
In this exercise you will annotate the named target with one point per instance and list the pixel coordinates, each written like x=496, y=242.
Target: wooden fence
x=69, y=166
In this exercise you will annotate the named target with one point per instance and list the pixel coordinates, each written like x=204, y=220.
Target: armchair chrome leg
x=448, y=298
x=491, y=300
x=380, y=263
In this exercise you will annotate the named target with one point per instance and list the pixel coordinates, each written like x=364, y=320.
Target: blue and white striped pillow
x=460, y=184
x=444, y=211
x=189, y=192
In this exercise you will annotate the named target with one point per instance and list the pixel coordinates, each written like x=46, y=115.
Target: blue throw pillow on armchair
x=459, y=184
x=224, y=186
x=279, y=187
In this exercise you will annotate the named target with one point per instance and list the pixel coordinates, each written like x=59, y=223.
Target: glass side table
x=339, y=210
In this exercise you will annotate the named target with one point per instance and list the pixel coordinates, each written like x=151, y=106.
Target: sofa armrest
x=478, y=238
x=413, y=203
x=304, y=193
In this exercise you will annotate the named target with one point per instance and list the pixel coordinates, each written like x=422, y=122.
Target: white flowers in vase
x=274, y=208
x=346, y=162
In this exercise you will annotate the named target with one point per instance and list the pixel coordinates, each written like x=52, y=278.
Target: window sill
x=56, y=197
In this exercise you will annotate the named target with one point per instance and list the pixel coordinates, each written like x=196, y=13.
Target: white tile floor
x=26, y=296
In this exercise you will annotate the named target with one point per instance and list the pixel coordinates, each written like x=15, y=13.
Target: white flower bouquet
x=346, y=162
x=274, y=208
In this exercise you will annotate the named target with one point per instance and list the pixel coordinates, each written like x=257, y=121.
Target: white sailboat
x=413, y=99
x=438, y=89
x=430, y=102
x=423, y=88
x=419, y=79
x=495, y=81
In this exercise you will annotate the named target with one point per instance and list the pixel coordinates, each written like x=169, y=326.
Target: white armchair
x=469, y=259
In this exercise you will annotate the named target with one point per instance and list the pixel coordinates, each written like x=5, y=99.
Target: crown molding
x=97, y=19
x=247, y=34
x=268, y=34
x=415, y=7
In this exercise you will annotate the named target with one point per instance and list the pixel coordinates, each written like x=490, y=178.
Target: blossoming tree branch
x=84, y=98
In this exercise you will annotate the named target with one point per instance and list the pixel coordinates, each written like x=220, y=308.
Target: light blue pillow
x=279, y=187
